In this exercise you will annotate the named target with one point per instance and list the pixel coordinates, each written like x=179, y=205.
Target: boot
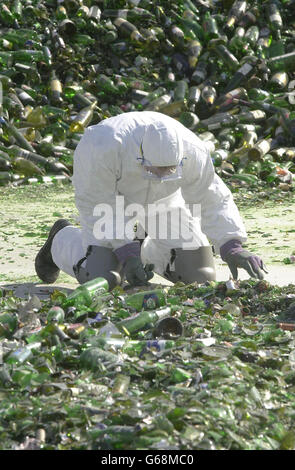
x=45, y=267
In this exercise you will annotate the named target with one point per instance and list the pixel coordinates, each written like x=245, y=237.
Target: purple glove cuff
x=231, y=247
x=131, y=250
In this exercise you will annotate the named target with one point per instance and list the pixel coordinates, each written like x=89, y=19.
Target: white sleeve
x=95, y=175
x=220, y=218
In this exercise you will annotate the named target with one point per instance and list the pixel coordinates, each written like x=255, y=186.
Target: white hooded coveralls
x=106, y=165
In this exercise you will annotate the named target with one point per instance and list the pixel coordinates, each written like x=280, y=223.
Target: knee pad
x=191, y=265
x=100, y=261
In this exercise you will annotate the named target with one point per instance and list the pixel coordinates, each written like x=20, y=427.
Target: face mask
x=159, y=173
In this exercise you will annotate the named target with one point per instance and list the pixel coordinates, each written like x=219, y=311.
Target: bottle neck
x=164, y=312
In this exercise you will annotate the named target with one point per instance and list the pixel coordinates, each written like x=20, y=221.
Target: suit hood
x=162, y=145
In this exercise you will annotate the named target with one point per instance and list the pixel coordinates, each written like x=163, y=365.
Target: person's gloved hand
x=136, y=274
x=236, y=257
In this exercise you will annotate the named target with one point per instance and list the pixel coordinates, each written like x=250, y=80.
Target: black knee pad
x=100, y=261
x=191, y=265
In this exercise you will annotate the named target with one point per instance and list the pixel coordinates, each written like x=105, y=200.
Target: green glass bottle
x=200, y=73
x=259, y=94
x=263, y=48
x=190, y=20
x=278, y=81
x=20, y=36
x=179, y=375
x=20, y=139
x=67, y=27
x=83, y=11
x=209, y=94
x=251, y=116
x=176, y=35
x=83, y=118
x=260, y=149
x=6, y=45
x=228, y=136
x=210, y=26
x=26, y=73
x=37, y=117
x=16, y=9
x=6, y=82
x=236, y=11
x=173, y=109
x=142, y=320
x=57, y=41
x=26, y=55
x=283, y=62
x=25, y=97
x=189, y=120
x=180, y=90
x=5, y=164
x=49, y=179
x=6, y=59
x=6, y=17
x=274, y=17
x=237, y=42
x=121, y=384
x=146, y=300
x=139, y=347
x=225, y=55
x=93, y=357
x=15, y=151
x=83, y=40
x=55, y=89
x=229, y=99
x=21, y=355
x=61, y=12
x=249, y=18
x=193, y=97
x=194, y=49
x=7, y=177
x=55, y=315
x=16, y=101
x=26, y=167
x=5, y=377
x=8, y=324
x=128, y=29
x=47, y=55
x=218, y=121
x=159, y=103
x=148, y=4
x=106, y=85
x=70, y=90
x=218, y=156
x=85, y=294
x=132, y=14
x=249, y=139
x=149, y=97
x=252, y=35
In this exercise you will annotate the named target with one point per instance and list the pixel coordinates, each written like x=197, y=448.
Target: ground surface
x=27, y=214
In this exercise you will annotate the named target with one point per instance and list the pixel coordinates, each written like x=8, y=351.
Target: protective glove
x=236, y=257
x=136, y=274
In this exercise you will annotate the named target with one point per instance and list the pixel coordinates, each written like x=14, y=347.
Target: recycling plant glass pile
x=98, y=373
x=225, y=69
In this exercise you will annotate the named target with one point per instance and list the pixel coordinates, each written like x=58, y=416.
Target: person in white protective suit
x=146, y=168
